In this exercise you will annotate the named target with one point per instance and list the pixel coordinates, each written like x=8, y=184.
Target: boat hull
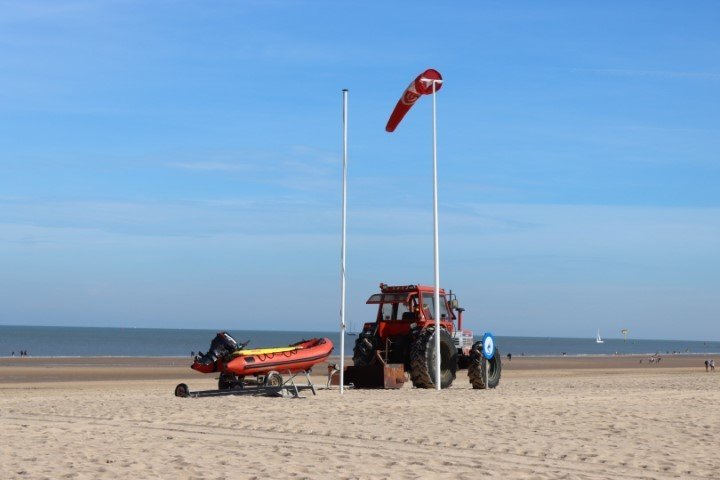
x=301, y=358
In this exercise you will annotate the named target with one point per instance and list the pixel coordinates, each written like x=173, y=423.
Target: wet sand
x=63, y=369
x=585, y=418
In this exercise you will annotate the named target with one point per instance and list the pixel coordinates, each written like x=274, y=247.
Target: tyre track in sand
x=471, y=455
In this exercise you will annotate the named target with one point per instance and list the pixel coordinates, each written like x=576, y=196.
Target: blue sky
x=177, y=164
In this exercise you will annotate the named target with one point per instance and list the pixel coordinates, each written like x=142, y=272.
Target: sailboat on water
x=598, y=339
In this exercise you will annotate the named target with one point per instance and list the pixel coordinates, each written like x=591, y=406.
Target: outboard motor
x=221, y=346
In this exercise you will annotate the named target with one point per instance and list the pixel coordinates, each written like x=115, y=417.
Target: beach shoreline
x=78, y=369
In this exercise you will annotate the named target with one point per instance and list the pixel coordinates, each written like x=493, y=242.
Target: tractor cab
x=402, y=312
x=405, y=307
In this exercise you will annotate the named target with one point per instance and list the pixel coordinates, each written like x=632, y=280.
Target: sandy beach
x=586, y=418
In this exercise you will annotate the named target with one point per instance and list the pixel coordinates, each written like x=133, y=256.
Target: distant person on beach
x=712, y=365
x=509, y=356
x=13, y=354
x=707, y=365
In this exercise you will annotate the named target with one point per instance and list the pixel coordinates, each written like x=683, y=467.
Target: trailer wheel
x=422, y=359
x=476, y=369
x=182, y=390
x=364, y=350
x=228, y=381
x=273, y=379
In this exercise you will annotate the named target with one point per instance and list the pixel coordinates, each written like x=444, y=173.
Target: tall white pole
x=436, y=243
x=342, y=249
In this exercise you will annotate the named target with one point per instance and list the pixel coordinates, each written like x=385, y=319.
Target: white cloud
x=28, y=10
x=520, y=269
x=652, y=73
x=212, y=166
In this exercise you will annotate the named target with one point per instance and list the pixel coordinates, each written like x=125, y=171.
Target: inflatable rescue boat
x=227, y=356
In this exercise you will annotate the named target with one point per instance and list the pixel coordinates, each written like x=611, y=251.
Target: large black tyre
x=422, y=359
x=364, y=350
x=476, y=369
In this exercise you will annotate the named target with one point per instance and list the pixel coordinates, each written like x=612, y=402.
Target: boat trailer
x=288, y=388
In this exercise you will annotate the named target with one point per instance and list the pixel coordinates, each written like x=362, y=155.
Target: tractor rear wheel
x=476, y=369
x=364, y=350
x=422, y=359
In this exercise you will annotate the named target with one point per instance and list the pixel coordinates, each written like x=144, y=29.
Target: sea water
x=157, y=342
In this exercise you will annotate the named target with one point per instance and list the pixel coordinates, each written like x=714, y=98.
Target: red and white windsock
x=422, y=85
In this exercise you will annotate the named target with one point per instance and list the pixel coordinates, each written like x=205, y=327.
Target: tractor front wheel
x=477, y=371
x=364, y=350
x=422, y=359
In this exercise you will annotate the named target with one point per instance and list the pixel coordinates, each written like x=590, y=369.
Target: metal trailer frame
x=288, y=389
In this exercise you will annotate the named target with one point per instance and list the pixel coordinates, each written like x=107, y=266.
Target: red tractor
x=404, y=331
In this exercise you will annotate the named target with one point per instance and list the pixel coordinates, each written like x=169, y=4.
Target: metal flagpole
x=342, y=249
x=417, y=88
x=436, y=298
